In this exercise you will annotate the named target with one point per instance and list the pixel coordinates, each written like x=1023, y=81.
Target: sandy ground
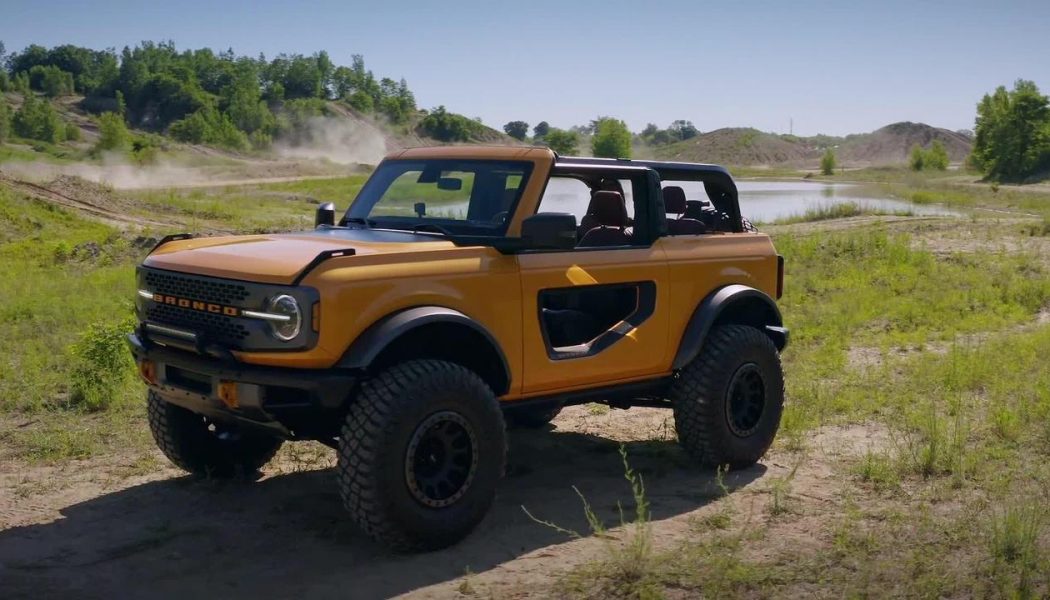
x=86, y=529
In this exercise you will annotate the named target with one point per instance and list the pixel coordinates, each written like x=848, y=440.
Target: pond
x=768, y=201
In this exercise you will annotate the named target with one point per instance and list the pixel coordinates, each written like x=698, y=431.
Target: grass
x=843, y=210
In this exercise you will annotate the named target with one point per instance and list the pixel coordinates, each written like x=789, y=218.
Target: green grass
x=842, y=210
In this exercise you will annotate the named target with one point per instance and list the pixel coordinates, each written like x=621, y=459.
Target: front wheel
x=205, y=447
x=728, y=400
x=420, y=455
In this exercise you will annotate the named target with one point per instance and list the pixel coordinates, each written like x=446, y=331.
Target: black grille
x=219, y=328
x=196, y=288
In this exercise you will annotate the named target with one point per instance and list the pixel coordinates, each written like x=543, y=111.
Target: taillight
x=780, y=276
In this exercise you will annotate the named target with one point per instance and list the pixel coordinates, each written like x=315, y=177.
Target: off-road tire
x=374, y=474
x=707, y=428
x=532, y=418
x=187, y=439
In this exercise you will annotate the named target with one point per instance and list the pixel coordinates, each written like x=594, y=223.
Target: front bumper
x=291, y=403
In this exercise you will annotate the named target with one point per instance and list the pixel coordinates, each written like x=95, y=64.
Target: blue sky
x=832, y=67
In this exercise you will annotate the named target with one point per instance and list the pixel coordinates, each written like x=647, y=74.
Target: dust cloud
x=336, y=140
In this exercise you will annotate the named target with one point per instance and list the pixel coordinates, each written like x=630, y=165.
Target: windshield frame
x=378, y=184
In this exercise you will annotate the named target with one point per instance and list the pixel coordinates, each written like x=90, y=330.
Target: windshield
x=475, y=197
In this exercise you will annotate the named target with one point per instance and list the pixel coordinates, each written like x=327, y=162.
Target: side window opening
x=692, y=210
x=604, y=207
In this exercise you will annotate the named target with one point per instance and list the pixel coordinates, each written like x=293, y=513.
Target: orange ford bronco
x=463, y=288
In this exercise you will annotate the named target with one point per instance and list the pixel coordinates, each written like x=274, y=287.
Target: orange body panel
x=500, y=292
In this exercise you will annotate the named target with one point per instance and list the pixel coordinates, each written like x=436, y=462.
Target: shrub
x=828, y=162
x=112, y=133
x=611, y=139
x=51, y=80
x=72, y=132
x=561, y=141
x=937, y=156
x=101, y=365
x=447, y=126
x=37, y=120
x=917, y=158
x=209, y=126
x=5, y=119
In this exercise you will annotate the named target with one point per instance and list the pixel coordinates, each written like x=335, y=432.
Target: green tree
x=683, y=130
x=112, y=133
x=561, y=141
x=54, y=82
x=611, y=139
x=447, y=126
x=37, y=120
x=518, y=130
x=828, y=162
x=1012, y=132
x=937, y=156
x=917, y=158
x=5, y=119
x=541, y=129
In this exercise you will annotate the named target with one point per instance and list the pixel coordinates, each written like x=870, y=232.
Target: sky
x=807, y=67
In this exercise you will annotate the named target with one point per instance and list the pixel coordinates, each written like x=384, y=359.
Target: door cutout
x=582, y=321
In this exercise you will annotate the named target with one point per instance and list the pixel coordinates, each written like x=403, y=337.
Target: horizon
x=823, y=68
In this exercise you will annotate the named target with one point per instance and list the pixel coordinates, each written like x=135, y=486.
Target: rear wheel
x=420, y=454
x=206, y=447
x=728, y=400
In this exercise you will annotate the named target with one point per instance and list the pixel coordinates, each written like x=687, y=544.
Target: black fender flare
x=363, y=351
x=715, y=305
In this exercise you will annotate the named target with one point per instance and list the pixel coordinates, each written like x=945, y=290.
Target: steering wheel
x=500, y=217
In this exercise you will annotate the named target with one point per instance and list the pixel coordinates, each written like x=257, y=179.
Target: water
x=767, y=201
x=760, y=201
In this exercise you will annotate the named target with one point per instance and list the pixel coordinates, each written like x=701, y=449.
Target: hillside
x=745, y=146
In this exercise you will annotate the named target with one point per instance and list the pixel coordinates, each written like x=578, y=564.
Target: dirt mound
x=892, y=143
x=96, y=200
x=740, y=146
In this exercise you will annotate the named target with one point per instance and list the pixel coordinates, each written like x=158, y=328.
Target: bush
x=917, y=158
x=72, y=132
x=448, y=127
x=112, y=133
x=828, y=162
x=5, y=119
x=51, y=80
x=209, y=126
x=611, y=139
x=37, y=120
x=101, y=365
x=561, y=141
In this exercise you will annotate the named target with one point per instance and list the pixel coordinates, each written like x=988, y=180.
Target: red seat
x=609, y=211
x=675, y=204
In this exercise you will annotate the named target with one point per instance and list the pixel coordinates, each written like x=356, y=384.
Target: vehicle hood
x=280, y=258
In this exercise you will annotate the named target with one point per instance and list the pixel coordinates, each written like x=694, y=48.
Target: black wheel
x=205, y=447
x=728, y=401
x=420, y=455
x=532, y=418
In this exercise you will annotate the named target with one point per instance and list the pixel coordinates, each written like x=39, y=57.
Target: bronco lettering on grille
x=209, y=307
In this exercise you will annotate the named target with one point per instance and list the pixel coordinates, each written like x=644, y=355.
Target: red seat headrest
x=609, y=209
x=674, y=200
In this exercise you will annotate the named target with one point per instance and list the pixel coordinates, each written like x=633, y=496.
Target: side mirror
x=325, y=215
x=550, y=230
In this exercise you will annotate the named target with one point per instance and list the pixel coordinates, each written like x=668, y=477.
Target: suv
x=465, y=287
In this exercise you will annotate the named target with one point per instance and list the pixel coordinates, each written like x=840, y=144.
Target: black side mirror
x=550, y=230
x=325, y=215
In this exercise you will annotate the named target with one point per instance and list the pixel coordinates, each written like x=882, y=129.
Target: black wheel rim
x=441, y=460
x=745, y=400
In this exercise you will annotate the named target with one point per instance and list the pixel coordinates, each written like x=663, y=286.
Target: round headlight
x=287, y=306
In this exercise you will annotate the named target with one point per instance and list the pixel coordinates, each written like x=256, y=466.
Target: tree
x=112, y=133
x=683, y=130
x=561, y=141
x=611, y=139
x=5, y=119
x=917, y=158
x=447, y=126
x=518, y=130
x=54, y=82
x=541, y=129
x=828, y=162
x=37, y=120
x=1012, y=132
x=937, y=157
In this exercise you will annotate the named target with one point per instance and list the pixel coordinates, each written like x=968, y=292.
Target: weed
x=102, y=365
x=597, y=409
x=878, y=470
